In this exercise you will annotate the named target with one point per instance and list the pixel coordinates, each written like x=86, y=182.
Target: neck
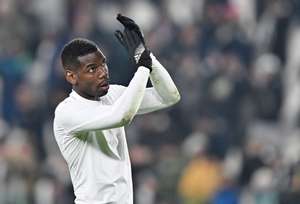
x=86, y=96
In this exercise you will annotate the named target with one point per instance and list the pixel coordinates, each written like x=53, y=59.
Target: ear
x=71, y=77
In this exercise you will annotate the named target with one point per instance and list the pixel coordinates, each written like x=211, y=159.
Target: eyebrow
x=93, y=64
x=90, y=65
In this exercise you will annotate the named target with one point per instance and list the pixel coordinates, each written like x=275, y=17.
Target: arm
x=163, y=94
x=119, y=114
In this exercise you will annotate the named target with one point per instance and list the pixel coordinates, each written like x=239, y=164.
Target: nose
x=103, y=73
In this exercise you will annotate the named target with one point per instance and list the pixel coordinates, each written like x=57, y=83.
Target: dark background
x=234, y=136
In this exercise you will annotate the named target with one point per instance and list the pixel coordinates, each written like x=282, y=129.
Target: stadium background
x=233, y=138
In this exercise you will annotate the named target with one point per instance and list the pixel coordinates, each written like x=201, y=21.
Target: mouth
x=104, y=86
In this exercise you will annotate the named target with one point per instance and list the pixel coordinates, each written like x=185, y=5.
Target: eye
x=92, y=69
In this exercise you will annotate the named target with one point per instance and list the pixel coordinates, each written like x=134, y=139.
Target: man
x=89, y=124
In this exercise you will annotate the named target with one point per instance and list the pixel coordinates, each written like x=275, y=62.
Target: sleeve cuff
x=143, y=69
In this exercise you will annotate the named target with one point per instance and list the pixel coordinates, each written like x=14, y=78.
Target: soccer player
x=89, y=124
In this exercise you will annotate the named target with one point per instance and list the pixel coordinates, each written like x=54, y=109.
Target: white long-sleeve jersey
x=91, y=135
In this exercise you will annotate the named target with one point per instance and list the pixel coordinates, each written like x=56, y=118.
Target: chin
x=103, y=93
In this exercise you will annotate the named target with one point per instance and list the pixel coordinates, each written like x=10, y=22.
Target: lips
x=104, y=85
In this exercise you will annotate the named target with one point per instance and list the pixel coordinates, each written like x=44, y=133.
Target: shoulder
x=63, y=105
x=116, y=88
x=63, y=109
x=115, y=91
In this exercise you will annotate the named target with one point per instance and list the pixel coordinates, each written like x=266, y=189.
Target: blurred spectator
x=266, y=87
x=233, y=138
x=292, y=194
x=200, y=179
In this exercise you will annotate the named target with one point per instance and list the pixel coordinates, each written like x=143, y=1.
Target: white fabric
x=91, y=135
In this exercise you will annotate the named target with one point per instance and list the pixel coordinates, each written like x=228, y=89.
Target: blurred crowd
x=234, y=138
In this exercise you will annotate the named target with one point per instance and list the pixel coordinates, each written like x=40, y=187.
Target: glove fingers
x=135, y=37
x=134, y=27
x=127, y=22
x=129, y=37
x=140, y=34
x=130, y=25
x=120, y=37
x=137, y=34
x=124, y=19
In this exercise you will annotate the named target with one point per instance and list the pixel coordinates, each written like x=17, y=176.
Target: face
x=90, y=80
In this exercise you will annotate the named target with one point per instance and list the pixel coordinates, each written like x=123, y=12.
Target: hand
x=132, y=39
x=129, y=24
x=145, y=60
x=131, y=42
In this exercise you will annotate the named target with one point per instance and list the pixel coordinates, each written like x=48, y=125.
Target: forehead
x=91, y=58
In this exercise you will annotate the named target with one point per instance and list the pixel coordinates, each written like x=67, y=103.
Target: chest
x=111, y=142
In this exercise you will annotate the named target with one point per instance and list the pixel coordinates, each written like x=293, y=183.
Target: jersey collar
x=75, y=95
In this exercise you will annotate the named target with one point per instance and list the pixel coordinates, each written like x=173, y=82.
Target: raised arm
x=119, y=114
x=164, y=92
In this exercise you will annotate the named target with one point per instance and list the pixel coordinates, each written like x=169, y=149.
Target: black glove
x=131, y=25
x=132, y=39
x=145, y=60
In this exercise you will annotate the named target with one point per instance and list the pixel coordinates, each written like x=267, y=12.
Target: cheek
x=87, y=84
x=90, y=85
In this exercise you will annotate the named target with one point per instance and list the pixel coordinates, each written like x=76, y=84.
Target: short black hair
x=74, y=49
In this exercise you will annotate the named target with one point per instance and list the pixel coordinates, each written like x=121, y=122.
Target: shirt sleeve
x=164, y=92
x=106, y=117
